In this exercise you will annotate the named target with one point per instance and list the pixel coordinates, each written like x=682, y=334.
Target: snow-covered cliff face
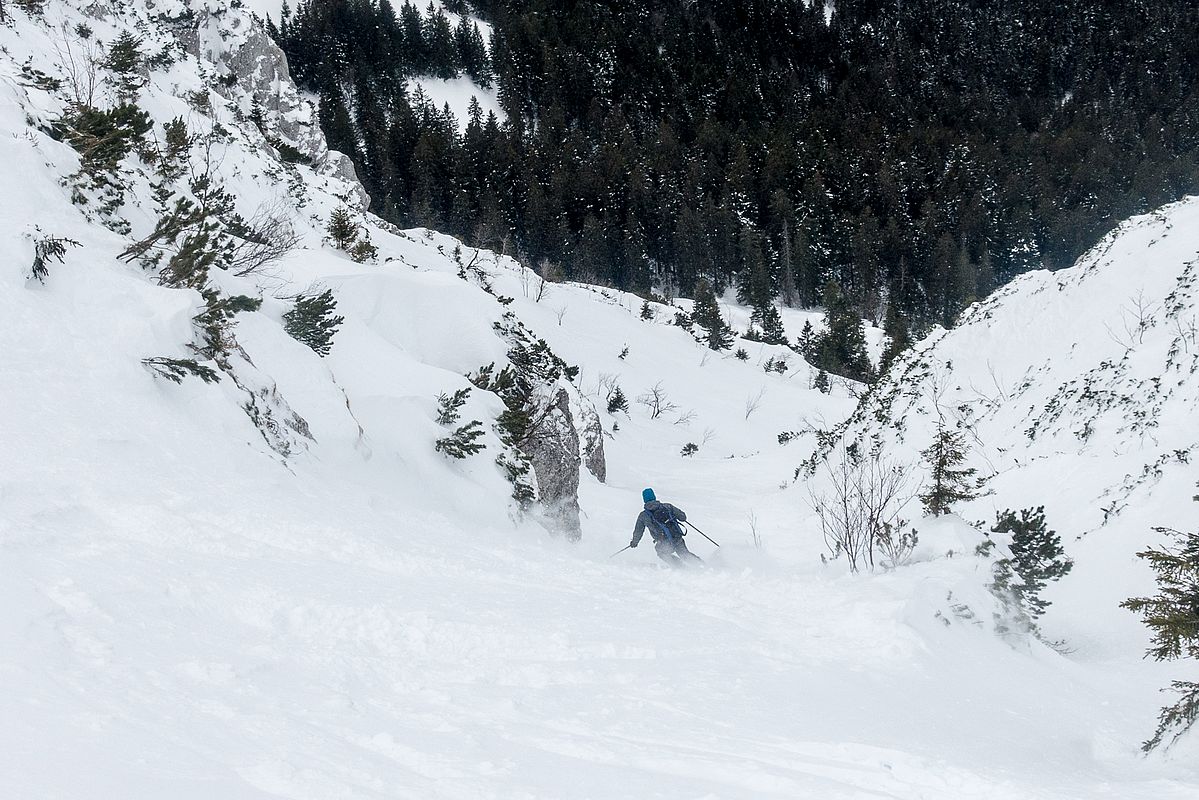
x=252, y=137
x=1078, y=390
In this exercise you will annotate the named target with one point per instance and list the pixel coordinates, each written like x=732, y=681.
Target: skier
x=663, y=520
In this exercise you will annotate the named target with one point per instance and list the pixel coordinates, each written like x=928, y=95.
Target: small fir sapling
x=617, y=402
x=647, y=311
x=951, y=483
x=312, y=321
x=47, y=249
x=1173, y=616
x=215, y=323
x=463, y=441
x=364, y=250
x=1037, y=557
x=124, y=60
x=449, y=406
x=706, y=314
x=689, y=449
x=342, y=230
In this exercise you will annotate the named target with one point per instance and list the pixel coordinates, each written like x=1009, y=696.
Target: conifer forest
x=915, y=154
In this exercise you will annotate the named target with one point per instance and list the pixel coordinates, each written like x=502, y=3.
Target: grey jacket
x=658, y=531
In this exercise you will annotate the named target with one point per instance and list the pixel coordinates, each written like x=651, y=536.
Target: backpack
x=664, y=520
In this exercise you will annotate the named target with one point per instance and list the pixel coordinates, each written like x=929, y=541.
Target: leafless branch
x=656, y=401
x=861, y=507
x=753, y=401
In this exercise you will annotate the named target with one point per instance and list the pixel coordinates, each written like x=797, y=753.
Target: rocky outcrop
x=591, y=438
x=554, y=451
x=256, y=77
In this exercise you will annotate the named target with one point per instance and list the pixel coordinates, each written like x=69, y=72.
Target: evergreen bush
x=1037, y=557
x=950, y=482
x=312, y=321
x=1173, y=615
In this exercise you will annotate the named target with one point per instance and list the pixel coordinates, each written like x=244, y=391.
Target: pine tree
x=706, y=314
x=463, y=441
x=899, y=338
x=47, y=249
x=342, y=229
x=337, y=124
x=770, y=325
x=808, y=344
x=951, y=483
x=312, y=321
x=443, y=53
x=125, y=60
x=617, y=402
x=176, y=369
x=1037, y=558
x=449, y=406
x=841, y=346
x=1173, y=615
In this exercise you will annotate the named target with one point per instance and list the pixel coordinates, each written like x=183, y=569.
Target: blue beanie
x=648, y=496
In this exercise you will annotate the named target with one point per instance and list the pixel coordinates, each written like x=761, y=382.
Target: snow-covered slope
x=195, y=604
x=1078, y=391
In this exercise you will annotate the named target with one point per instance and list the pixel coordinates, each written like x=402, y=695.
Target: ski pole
x=701, y=533
x=621, y=550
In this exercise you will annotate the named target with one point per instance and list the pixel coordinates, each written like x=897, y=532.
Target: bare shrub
x=860, y=507
x=655, y=400
x=264, y=239
x=754, y=534
x=80, y=61
x=753, y=401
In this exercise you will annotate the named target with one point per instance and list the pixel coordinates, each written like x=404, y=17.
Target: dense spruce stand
x=913, y=154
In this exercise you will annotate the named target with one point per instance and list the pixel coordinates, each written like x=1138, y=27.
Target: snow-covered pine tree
x=449, y=406
x=770, y=325
x=124, y=61
x=176, y=369
x=342, y=229
x=47, y=249
x=707, y=315
x=463, y=441
x=1037, y=558
x=951, y=483
x=617, y=402
x=312, y=321
x=841, y=347
x=1173, y=615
